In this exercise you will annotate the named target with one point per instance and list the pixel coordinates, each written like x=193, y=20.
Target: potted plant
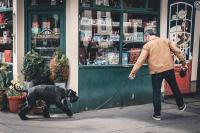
x=15, y=98
x=33, y=67
x=59, y=68
x=5, y=77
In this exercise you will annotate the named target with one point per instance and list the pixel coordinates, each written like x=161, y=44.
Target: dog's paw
x=69, y=113
x=24, y=118
x=46, y=116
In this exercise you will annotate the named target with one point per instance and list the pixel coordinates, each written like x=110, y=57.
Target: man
x=158, y=52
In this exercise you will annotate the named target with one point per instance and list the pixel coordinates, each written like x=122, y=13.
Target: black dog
x=51, y=94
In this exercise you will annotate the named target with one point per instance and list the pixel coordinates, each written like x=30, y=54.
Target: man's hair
x=150, y=32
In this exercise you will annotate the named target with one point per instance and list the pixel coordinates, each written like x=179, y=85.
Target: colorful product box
x=8, y=55
x=134, y=54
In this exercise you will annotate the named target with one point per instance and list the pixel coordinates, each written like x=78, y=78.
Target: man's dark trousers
x=157, y=79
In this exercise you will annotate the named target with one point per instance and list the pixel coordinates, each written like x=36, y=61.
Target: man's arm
x=140, y=61
x=177, y=52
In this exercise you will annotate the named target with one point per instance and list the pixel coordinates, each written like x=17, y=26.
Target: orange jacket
x=158, y=53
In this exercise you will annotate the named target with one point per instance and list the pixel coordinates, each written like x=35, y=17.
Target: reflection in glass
x=99, y=38
x=45, y=31
x=112, y=3
x=86, y=3
x=134, y=3
x=134, y=29
x=46, y=2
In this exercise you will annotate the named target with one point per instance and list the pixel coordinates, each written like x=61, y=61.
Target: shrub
x=59, y=67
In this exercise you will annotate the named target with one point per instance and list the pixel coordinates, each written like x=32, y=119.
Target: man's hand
x=131, y=76
x=184, y=66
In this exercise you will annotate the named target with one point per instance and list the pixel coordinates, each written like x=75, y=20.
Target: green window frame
x=44, y=9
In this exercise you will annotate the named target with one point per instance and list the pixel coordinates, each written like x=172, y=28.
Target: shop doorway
x=198, y=72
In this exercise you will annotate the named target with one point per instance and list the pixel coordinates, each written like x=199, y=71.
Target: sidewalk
x=132, y=119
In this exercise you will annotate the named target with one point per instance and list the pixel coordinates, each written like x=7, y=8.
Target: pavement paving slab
x=131, y=119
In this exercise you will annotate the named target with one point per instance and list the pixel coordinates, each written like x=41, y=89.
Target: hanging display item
x=35, y=25
x=56, y=28
x=8, y=55
x=2, y=18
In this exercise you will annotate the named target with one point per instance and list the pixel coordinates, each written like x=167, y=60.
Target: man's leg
x=171, y=79
x=156, y=84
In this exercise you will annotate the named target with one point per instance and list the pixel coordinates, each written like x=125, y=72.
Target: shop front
x=102, y=40
x=111, y=35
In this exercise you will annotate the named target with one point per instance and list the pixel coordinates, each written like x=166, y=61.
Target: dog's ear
x=69, y=92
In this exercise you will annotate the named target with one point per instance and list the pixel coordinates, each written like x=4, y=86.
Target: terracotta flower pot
x=14, y=102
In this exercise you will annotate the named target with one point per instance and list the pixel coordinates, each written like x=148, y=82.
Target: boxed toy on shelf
x=8, y=55
x=134, y=54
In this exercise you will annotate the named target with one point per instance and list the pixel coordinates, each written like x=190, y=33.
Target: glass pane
x=99, y=38
x=189, y=12
x=45, y=33
x=134, y=28
x=153, y=5
x=6, y=41
x=112, y=3
x=86, y=3
x=45, y=2
x=134, y=3
x=6, y=3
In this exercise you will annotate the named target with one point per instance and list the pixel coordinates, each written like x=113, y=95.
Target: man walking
x=158, y=53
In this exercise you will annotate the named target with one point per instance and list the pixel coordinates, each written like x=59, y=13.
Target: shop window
x=113, y=3
x=134, y=29
x=134, y=3
x=180, y=27
x=99, y=38
x=45, y=27
x=153, y=5
x=45, y=33
x=45, y=2
x=108, y=3
x=6, y=31
x=86, y=3
x=115, y=36
x=6, y=43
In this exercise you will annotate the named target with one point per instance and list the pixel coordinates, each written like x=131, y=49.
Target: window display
x=45, y=2
x=134, y=29
x=99, y=35
x=45, y=27
x=134, y=3
x=45, y=33
x=108, y=3
x=6, y=29
x=115, y=36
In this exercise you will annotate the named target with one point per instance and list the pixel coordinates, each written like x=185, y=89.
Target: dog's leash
x=109, y=99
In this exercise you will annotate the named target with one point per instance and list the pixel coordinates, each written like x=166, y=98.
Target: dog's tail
x=17, y=89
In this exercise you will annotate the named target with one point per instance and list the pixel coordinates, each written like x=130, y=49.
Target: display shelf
x=8, y=63
x=45, y=48
x=3, y=9
x=46, y=37
x=7, y=23
x=134, y=42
